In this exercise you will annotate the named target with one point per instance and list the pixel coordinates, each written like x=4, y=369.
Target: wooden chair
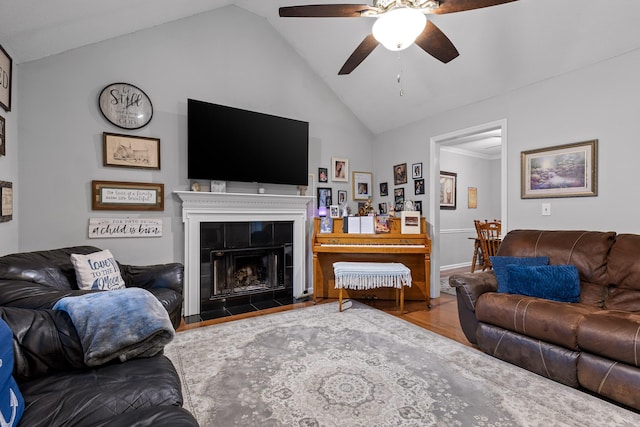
x=489, y=234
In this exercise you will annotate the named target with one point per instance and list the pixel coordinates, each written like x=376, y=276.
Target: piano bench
x=370, y=275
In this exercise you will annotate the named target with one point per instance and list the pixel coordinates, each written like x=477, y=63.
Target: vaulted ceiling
x=501, y=48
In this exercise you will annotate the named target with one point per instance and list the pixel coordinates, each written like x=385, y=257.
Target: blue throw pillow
x=553, y=282
x=500, y=263
x=11, y=401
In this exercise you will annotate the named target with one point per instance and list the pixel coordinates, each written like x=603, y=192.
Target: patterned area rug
x=363, y=367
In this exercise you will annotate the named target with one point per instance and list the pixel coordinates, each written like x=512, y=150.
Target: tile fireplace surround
x=199, y=207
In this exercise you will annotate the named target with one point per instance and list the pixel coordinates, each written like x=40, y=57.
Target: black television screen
x=231, y=144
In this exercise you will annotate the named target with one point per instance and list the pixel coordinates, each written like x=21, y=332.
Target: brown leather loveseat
x=593, y=344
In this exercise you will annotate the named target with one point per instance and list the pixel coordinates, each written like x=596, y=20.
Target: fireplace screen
x=246, y=271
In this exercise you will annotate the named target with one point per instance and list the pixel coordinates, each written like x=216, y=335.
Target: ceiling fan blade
x=362, y=51
x=450, y=6
x=433, y=41
x=325, y=11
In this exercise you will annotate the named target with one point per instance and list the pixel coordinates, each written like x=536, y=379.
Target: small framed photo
x=324, y=197
x=569, y=170
x=130, y=151
x=3, y=133
x=417, y=205
x=416, y=170
x=384, y=189
x=323, y=175
x=6, y=196
x=400, y=174
x=334, y=211
x=339, y=169
x=5, y=79
x=382, y=208
x=342, y=197
x=418, y=185
x=127, y=196
x=398, y=198
x=362, y=185
x=326, y=224
x=448, y=182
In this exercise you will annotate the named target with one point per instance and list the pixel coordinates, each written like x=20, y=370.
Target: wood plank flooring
x=442, y=318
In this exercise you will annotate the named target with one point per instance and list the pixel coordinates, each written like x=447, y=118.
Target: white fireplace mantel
x=199, y=207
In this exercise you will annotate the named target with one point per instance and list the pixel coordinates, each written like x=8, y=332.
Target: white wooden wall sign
x=100, y=228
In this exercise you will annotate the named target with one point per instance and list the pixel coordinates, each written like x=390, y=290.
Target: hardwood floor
x=442, y=318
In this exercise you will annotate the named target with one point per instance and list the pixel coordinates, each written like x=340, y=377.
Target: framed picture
x=6, y=197
x=130, y=151
x=416, y=170
x=382, y=208
x=5, y=79
x=323, y=175
x=472, y=193
x=384, y=189
x=334, y=211
x=127, y=196
x=448, y=196
x=398, y=198
x=569, y=170
x=339, y=169
x=418, y=185
x=400, y=174
x=3, y=133
x=342, y=197
x=362, y=185
x=418, y=206
x=324, y=196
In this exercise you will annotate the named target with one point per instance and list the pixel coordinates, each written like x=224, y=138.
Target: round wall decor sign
x=125, y=105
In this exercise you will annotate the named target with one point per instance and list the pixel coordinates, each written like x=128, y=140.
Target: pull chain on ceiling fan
x=399, y=24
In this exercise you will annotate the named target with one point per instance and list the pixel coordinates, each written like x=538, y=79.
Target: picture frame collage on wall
x=338, y=172
x=400, y=177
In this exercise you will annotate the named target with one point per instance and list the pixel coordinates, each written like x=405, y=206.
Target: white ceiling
x=501, y=48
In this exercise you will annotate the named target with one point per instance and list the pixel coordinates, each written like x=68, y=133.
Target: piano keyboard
x=377, y=245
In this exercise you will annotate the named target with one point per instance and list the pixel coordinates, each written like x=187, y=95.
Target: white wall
x=456, y=226
x=597, y=102
x=9, y=167
x=228, y=56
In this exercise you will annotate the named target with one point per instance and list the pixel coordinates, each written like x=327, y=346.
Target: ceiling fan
x=399, y=23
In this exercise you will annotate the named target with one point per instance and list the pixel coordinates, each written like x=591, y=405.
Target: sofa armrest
x=469, y=287
x=154, y=276
x=44, y=342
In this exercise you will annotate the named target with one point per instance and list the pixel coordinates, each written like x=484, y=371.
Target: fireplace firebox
x=245, y=266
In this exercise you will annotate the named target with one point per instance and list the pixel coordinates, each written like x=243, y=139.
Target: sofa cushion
x=587, y=250
x=550, y=321
x=11, y=402
x=98, y=270
x=500, y=263
x=554, y=282
x=613, y=334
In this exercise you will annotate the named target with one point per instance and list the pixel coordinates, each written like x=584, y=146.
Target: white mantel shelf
x=199, y=207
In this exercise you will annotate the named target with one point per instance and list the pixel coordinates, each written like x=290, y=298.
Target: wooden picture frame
x=416, y=170
x=472, y=197
x=400, y=174
x=569, y=170
x=324, y=197
x=339, y=169
x=448, y=190
x=6, y=201
x=6, y=65
x=362, y=185
x=129, y=151
x=127, y=196
x=3, y=136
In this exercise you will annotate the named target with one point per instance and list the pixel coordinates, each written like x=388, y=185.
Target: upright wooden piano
x=412, y=250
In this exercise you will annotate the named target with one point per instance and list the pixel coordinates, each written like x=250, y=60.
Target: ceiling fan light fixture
x=398, y=28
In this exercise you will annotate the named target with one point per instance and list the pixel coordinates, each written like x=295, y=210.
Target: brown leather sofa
x=593, y=345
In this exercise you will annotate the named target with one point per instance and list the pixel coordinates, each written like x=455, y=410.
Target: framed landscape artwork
x=568, y=170
x=448, y=190
x=130, y=151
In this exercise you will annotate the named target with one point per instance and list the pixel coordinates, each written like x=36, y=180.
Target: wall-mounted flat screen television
x=231, y=144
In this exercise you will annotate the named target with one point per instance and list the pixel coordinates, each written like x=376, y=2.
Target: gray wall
x=596, y=102
x=228, y=56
